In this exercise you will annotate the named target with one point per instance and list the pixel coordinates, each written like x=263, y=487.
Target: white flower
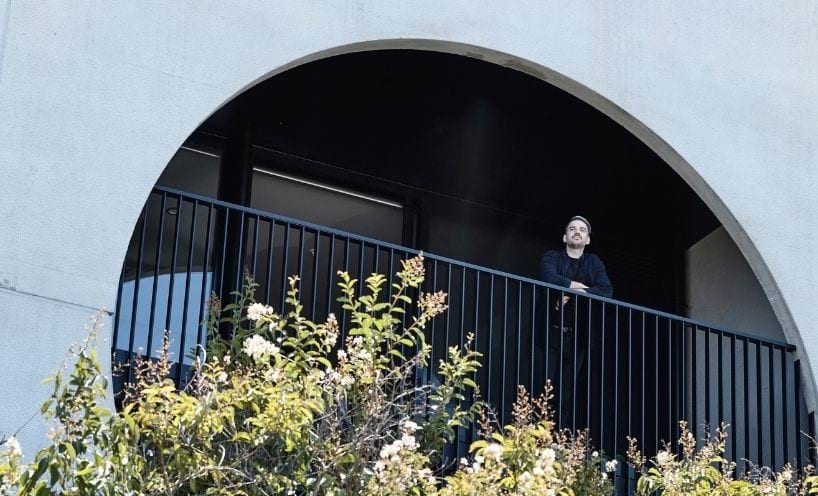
x=663, y=458
x=495, y=450
x=610, y=466
x=408, y=441
x=257, y=347
x=410, y=427
x=390, y=450
x=12, y=447
x=595, y=454
x=222, y=377
x=257, y=310
x=549, y=454
x=342, y=355
x=273, y=374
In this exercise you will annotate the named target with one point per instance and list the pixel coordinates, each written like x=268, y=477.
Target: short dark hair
x=579, y=218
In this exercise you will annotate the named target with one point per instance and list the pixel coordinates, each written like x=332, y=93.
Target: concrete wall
x=96, y=98
x=721, y=288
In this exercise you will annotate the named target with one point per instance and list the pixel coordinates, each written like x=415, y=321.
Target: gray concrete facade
x=96, y=98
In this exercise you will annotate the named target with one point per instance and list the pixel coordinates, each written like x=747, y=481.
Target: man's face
x=576, y=235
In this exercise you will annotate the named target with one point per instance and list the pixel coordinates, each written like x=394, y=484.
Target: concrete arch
x=672, y=157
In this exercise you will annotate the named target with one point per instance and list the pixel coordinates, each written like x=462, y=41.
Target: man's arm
x=549, y=266
x=601, y=284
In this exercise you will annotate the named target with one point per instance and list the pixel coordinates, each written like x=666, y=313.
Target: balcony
x=642, y=370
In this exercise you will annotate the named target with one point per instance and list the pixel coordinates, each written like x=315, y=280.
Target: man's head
x=577, y=233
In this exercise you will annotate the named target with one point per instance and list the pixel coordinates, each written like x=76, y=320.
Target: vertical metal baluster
x=361, y=252
x=643, y=377
x=203, y=297
x=461, y=432
x=519, y=328
x=476, y=305
x=432, y=361
x=343, y=311
x=720, y=372
x=588, y=382
x=117, y=313
x=707, y=377
x=268, y=286
x=391, y=270
x=239, y=282
x=574, y=366
x=156, y=267
x=448, y=314
x=630, y=385
x=474, y=343
x=223, y=254
x=172, y=274
x=462, y=307
x=796, y=377
x=505, y=352
x=255, y=247
x=301, y=235
x=560, y=361
x=760, y=460
x=491, y=335
x=784, y=413
x=376, y=259
x=135, y=302
x=656, y=384
x=284, y=259
x=331, y=274
x=533, y=335
x=616, y=382
x=694, y=405
x=670, y=389
x=315, y=255
x=547, y=326
x=746, y=388
x=771, y=374
x=733, y=420
x=630, y=388
x=191, y=240
x=602, y=379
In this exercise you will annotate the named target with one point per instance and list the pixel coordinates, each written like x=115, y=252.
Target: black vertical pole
x=235, y=186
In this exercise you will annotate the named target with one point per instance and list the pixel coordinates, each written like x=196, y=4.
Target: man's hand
x=578, y=286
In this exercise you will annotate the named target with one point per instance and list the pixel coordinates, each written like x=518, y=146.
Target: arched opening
x=476, y=163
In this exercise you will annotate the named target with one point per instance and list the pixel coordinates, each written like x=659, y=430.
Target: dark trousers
x=566, y=365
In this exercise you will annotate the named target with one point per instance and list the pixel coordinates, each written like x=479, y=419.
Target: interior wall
x=721, y=288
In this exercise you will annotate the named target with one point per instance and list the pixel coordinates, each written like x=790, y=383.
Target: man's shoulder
x=552, y=253
x=594, y=259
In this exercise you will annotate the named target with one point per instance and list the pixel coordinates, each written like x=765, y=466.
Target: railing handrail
x=430, y=256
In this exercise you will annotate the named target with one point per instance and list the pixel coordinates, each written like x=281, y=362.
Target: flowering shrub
x=530, y=457
x=706, y=472
x=280, y=407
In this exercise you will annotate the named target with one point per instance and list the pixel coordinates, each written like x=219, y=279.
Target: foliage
x=530, y=457
x=280, y=407
x=705, y=471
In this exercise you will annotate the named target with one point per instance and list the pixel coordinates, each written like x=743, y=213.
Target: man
x=572, y=268
x=582, y=272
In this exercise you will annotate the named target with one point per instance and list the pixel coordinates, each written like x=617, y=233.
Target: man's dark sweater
x=557, y=268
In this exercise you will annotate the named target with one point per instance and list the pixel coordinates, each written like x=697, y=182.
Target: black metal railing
x=617, y=369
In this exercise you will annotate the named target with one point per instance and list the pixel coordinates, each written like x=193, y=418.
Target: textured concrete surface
x=721, y=288
x=95, y=99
